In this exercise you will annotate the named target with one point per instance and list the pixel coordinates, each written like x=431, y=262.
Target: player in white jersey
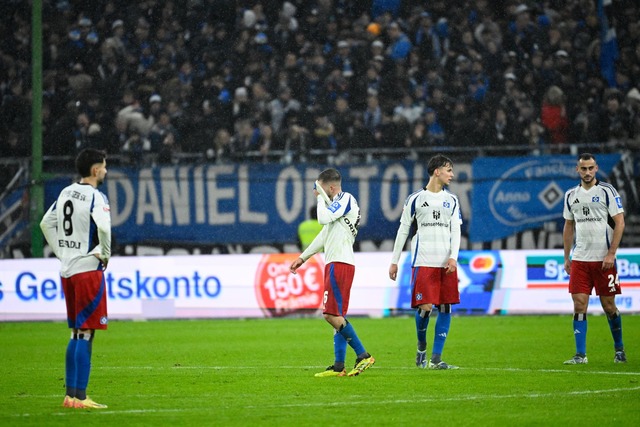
x=434, y=249
x=339, y=214
x=594, y=220
x=77, y=227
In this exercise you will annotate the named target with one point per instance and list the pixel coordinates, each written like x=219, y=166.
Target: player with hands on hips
x=339, y=213
x=593, y=227
x=77, y=227
x=435, y=215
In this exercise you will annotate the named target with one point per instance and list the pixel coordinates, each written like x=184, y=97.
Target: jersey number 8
x=67, y=211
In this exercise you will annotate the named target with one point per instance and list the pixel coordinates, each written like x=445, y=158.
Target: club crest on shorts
x=104, y=320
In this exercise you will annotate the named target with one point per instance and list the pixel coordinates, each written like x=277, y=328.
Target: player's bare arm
x=567, y=240
x=295, y=265
x=610, y=257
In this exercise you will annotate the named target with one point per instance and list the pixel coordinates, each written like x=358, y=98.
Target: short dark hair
x=330, y=175
x=313, y=212
x=587, y=156
x=436, y=162
x=87, y=158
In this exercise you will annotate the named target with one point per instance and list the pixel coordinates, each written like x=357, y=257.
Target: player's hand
x=295, y=264
x=393, y=271
x=567, y=266
x=608, y=262
x=451, y=266
x=103, y=260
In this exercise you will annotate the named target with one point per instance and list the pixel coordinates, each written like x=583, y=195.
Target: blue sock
x=580, y=332
x=422, y=321
x=70, y=367
x=443, y=323
x=83, y=366
x=352, y=339
x=339, y=348
x=615, y=324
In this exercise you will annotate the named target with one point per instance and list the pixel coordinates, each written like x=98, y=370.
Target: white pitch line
x=412, y=401
x=412, y=368
x=451, y=399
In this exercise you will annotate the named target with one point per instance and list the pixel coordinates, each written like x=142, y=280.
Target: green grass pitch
x=260, y=372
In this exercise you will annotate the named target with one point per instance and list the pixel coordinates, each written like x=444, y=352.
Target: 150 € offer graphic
x=281, y=293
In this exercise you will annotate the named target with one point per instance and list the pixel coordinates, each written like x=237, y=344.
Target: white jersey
x=592, y=210
x=438, y=218
x=340, y=222
x=77, y=226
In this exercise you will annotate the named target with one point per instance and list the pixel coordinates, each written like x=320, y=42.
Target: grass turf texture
x=243, y=372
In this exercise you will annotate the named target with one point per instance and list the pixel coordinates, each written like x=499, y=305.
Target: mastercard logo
x=482, y=263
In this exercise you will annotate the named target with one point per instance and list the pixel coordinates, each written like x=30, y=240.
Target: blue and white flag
x=608, y=42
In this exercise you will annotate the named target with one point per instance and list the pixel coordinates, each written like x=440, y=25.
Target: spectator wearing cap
x=377, y=48
x=240, y=105
x=426, y=40
x=342, y=59
x=400, y=45
x=115, y=45
x=522, y=35
x=155, y=106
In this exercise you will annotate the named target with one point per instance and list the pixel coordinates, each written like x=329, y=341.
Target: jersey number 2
x=613, y=281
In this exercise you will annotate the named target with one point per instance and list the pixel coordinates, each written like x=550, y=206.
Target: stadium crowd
x=216, y=79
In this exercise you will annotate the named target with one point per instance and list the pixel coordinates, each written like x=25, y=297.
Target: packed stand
x=223, y=81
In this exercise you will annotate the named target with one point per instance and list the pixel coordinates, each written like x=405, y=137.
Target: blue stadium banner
x=244, y=203
x=514, y=194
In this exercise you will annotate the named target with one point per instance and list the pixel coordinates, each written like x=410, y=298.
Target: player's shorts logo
x=104, y=320
x=280, y=293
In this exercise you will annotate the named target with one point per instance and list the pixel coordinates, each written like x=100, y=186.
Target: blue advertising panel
x=244, y=203
x=479, y=272
x=515, y=194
